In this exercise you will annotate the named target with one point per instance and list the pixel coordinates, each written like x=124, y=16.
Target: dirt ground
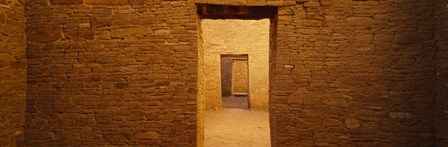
x=237, y=128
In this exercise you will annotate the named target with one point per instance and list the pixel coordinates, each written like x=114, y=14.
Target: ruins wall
x=354, y=73
x=441, y=101
x=12, y=72
x=102, y=72
x=111, y=72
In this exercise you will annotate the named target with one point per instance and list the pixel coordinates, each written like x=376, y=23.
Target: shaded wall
x=226, y=76
x=12, y=72
x=441, y=102
x=354, y=73
x=236, y=37
x=111, y=72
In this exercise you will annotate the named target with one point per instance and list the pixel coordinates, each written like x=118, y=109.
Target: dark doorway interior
x=230, y=98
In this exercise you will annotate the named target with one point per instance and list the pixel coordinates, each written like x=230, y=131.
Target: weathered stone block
x=116, y=138
x=107, y=2
x=33, y=2
x=162, y=32
x=137, y=2
x=412, y=37
x=326, y=2
x=359, y=21
x=101, y=23
x=312, y=23
x=79, y=34
x=400, y=115
x=352, y=123
x=45, y=35
x=384, y=37
x=311, y=4
x=84, y=25
x=65, y=2
x=148, y=135
x=332, y=122
x=6, y=58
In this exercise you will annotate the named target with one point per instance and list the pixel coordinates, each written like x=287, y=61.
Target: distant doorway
x=235, y=81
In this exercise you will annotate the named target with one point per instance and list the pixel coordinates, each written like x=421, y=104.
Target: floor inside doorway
x=237, y=128
x=240, y=102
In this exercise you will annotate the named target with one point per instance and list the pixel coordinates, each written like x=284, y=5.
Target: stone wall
x=355, y=73
x=12, y=72
x=111, y=72
x=240, y=77
x=236, y=37
x=441, y=103
x=105, y=72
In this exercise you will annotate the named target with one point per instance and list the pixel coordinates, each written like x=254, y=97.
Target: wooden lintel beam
x=235, y=12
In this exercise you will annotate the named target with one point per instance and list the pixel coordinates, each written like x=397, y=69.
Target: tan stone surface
x=240, y=76
x=236, y=37
x=12, y=73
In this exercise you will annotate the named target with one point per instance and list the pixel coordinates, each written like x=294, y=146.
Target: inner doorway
x=235, y=81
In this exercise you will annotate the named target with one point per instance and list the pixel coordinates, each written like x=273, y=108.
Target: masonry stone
x=125, y=72
x=441, y=99
x=13, y=71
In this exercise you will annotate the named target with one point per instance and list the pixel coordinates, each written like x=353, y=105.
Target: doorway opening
x=235, y=81
x=247, y=34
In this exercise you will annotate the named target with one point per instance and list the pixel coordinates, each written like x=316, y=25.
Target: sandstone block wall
x=441, y=102
x=111, y=72
x=355, y=73
x=12, y=72
x=236, y=37
x=240, y=77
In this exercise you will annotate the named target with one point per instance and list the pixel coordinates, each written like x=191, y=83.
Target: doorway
x=235, y=81
x=235, y=30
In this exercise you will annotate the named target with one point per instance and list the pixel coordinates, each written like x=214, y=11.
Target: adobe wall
x=125, y=72
x=12, y=72
x=236, y=37
x=441, y=102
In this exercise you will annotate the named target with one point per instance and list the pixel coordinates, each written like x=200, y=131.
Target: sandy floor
x=237, y=128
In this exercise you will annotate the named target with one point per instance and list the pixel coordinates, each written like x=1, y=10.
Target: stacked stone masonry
x=125, y=72
x=441, y=101
x=12, y=72
x=363, y=74
x=111, y=72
